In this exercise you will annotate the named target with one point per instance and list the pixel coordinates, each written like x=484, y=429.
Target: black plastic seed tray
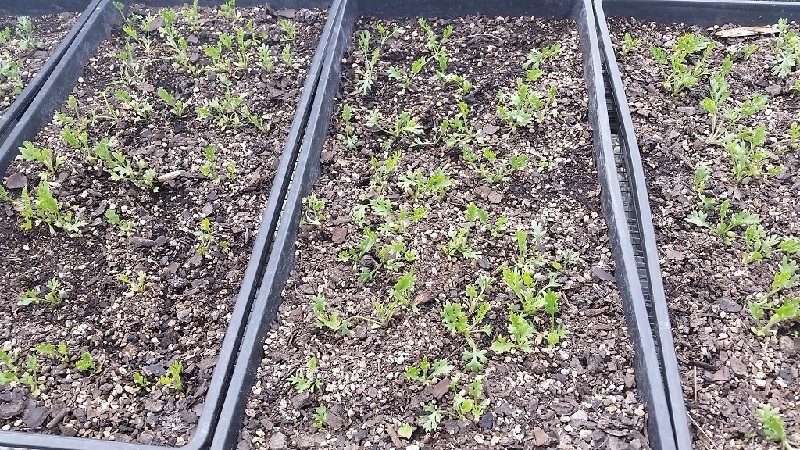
x=54, y=92
x=17, y=110
x=639, y=218
x=649, y=380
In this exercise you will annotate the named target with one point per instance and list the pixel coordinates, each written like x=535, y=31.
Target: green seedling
x=134, y=286
x=759, y=244
x=355, y=254
x=399, y=296
x=787, y=50
x=747, y=154
x=265, y=59
x=320, y=416
x=44, y=156
x=405, y=431
x=349, y=139
x=535, y=59
x=429, y=421
x=24, y=31
x=404, y=124
x=307, y=380
x=459, y=244
x=59, y=352
x=417, y=185
x=9, y=374
x=456, y=131
x=383, y=170
x=140, y=382
x=474, y=213
x=206, y=237
x=494, y=170
x=773, y=427
x=426, y=373
x=119, y=166
x=191, y=15
x=366, y=75
x=313, y=210
x=141, y=107
x=523, y=106
x=54, y=295
x=228, y=11
x=208, y=168
x=172, y=378
x=629, y=43
x=286, y=56
x=29, y=377
x=329, y=319
x=468, y=322
x=87, y=364
x=782, y=310
x=44, y=208
x=469, y=403
x=406, y=78
x=289, y=29
x=178, y=107
x=677, y=74
x=125, y=226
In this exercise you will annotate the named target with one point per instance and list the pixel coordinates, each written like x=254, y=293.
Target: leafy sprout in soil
x=773, y=427
x=629, y=43
x=781, y=309
x=307, y=379
x=426, y=372
x=86, y=363
x=54, y=294
x=59, y=352
x=172, y=378
x=677, y=74
x=320, y=416
x=787, y=50
x=43, y=208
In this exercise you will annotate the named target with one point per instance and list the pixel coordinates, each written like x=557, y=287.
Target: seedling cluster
x=399, y=198
x=97, y=136
x=13, y=44
x=742, y=129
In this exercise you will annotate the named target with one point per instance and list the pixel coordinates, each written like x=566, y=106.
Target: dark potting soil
x=157, y=288
x=580, y=392
x=728, y=373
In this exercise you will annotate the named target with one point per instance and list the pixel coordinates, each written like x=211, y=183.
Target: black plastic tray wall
x=54, y=91
x=702, y=13
x=649, y=381
x=14, y=113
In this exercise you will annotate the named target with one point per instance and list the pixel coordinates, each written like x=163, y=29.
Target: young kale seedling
x=349, y=139
x=759, y=244
x=523, y=106
x=178, y=107
x=307, y=380
x=787, y=50
x=425, y=372
x=140, y=382
x=125, y=226
x=469, y=403
x=773, y=427
x=134, y=286
x=459, y=244
x=59, y=352
x=44, y=156
x=782, y=310
x=313, y=210
x=417, y=185
x=629, y=43
x=406, y=78
x=329, y=320
x=87, y=364
x=494, y=170
x=430, y=420
x=677, y=73
x=320, y=416
x=173, y=376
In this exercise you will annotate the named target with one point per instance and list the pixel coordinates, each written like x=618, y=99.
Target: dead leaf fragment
x=746, y=31
x=441, y=387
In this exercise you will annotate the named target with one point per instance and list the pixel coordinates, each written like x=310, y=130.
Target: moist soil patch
x=397, y=233
x=727, y=371
x=170, y=191
x=25, y=45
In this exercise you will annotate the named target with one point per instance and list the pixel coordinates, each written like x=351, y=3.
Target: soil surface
x=28, y=53
x=157, y=288
x=727, y=372
x=578, y=394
